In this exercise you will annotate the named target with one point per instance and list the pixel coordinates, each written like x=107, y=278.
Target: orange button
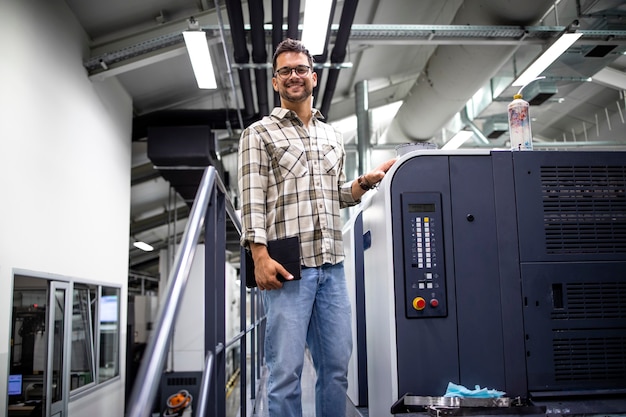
x=434, y=302
x=419, y=303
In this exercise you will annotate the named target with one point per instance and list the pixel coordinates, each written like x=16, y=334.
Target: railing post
x=243, y=351
x=215, y=294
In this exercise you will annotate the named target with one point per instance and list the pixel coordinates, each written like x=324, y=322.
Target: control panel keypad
x=423, y=237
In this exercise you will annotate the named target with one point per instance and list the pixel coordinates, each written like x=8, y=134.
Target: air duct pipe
x=277, y=23
x=259, y=54
x=455, y=72
x=339, y=52
x=240, y=52
x=277, y=34
x=293, y=18
x=324, y=55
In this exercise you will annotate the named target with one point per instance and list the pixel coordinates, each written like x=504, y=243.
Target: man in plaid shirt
x=292, y=183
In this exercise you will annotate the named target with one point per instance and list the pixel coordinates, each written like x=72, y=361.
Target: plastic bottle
x=519, y=124
x=519, y=121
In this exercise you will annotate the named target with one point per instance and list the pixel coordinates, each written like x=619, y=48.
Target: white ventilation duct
x=454, y=73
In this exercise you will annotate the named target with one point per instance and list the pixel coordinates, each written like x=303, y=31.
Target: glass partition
x=82, y=371
x=109, y=333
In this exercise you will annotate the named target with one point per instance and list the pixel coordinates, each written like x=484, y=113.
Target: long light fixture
x=547, y=58
x=315, y=25
x=198, y=50
x=143, y=246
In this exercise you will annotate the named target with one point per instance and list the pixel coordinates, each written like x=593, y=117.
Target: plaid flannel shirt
x=291, y=182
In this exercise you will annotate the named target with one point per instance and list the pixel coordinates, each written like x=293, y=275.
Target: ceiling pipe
x=455, y=72
x=293, y=18
x=240, y=52
x=259, y=53
x=339, y=52
x=277, y=34
x=321, y=59
x=277, y=23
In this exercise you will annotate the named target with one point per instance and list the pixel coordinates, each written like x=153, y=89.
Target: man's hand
x=371, y=179
x=378, y=174
x=266, y=269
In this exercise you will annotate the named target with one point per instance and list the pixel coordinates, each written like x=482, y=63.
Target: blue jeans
x=314, y=311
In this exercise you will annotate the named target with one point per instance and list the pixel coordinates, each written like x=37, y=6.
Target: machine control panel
x=424, y=273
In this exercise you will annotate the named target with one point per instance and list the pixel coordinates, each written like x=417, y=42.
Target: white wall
x=64, y=167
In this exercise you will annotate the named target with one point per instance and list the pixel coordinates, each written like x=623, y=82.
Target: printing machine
x=501, y=269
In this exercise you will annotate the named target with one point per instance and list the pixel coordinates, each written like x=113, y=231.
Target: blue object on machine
x=455, y=390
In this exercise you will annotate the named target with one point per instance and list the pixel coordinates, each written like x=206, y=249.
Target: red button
x=419, y=303
x=434, y=302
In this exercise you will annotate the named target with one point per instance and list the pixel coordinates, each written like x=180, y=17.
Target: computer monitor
x=108, y=309
x=15, y=385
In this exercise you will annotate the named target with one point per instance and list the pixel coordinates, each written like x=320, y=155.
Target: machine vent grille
x=590, y=359
x=584, y=209
x=182, y=380
x=590, y=300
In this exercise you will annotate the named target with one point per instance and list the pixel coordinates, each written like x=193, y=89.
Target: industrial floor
x=563, y=408
x=308, y=396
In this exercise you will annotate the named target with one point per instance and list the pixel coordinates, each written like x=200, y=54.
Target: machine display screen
x=421, y=208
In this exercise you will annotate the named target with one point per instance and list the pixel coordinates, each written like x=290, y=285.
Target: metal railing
x=211, y=203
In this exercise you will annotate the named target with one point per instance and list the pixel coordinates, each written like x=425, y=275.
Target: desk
x=20, y=410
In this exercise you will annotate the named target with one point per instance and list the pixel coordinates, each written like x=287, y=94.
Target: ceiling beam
x=140, y=50
x=143, y=173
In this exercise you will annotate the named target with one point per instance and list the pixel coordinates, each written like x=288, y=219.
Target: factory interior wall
x=65, y=167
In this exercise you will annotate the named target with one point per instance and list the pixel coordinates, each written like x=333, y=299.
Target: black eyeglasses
x=285, y=72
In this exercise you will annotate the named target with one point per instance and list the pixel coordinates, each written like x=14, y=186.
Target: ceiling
x=450, y=63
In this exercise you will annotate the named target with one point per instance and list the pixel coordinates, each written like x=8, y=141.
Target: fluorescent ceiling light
x=547, y=58
x=315, y=26
x=457, y=140
x=198, y=49
x=143, y=246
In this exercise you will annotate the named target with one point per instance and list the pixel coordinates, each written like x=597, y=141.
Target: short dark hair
x=291, y=45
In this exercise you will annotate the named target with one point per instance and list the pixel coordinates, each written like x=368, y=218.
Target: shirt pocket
x=332, y=159
x=290, y=162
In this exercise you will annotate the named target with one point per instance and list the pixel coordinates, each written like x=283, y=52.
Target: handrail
x=149, y=375
x=242, y=333
x=205, y=385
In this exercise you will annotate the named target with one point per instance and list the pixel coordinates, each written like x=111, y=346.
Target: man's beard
x=295, y=98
